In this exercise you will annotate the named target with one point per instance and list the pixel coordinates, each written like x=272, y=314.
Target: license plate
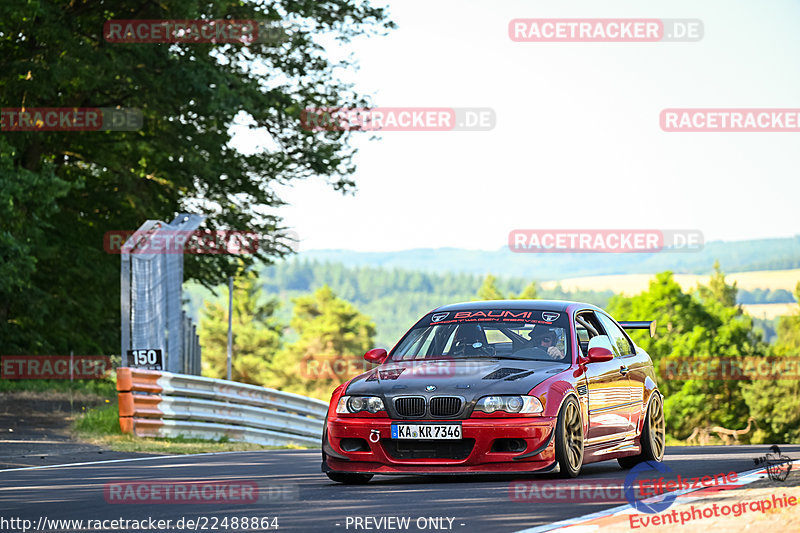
x=426, y=431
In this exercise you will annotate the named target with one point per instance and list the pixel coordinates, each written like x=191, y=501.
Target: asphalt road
x=303, y=499
x=35, y=430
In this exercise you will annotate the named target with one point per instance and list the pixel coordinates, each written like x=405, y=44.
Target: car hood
x=468, y=378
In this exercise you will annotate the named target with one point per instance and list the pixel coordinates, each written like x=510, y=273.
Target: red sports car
x=499, y=386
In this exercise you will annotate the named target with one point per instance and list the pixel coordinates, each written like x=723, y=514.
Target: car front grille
x=410, y=406
x=445, y=406
x=457, y=450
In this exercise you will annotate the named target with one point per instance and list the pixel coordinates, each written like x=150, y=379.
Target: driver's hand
x=554, y=352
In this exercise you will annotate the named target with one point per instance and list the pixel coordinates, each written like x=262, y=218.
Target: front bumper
x=382, y=456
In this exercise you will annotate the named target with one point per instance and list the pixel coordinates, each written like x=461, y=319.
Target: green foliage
x=703, y=325
x=27, y=201
x=100, y=421
x=765, y=296
x=776, y=404
x=329, y=329
x=62, y=191
x=489, y=290
x=394, y=298
x=788, y=342
x=717, y=290
x=100, y=387
x=529, y=292
x=256, y=335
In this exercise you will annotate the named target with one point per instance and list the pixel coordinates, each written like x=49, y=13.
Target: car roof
x=538, y=305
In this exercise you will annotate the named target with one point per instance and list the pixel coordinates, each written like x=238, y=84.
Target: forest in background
x=395, y=298
x=322, y=344
x=734, y=256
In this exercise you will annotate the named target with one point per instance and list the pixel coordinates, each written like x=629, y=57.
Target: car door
x=609, y=400
x=626, y=361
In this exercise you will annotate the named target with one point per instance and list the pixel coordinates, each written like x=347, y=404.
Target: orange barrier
x=139, y=405
x=133, y=379
x=130, y=380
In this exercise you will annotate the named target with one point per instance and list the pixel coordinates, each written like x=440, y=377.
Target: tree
x=788, y=342
x=256, y=335
x=776, y=404
x=529, y=292
x=27, y=201
x=693, y=326
x=489, y=289
x=333, y=337
x=718, y=290
x=73, y=187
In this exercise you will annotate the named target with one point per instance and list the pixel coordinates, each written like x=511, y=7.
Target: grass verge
x=89, y=387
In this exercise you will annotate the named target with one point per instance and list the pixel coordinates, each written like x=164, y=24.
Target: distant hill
x=734, y=256
x=395, y=298
x=756, y=287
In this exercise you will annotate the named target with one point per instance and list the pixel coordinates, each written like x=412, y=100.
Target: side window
x=618, y=338
x=586, y=326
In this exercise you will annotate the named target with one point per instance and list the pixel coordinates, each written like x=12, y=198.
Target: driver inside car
x=547, y=342
x=469, y=340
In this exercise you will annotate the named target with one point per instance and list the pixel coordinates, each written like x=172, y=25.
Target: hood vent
x=519, y=376
x=392, y=374
x=501, y=373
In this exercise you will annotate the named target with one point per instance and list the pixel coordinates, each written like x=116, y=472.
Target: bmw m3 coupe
x=504, y=386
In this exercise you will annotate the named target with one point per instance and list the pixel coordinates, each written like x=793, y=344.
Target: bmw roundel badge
x=430, y=388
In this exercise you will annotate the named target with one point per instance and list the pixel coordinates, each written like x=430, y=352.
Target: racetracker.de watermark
x=610, y=490
x=398, y=119
x=730, y=120
x=216, y=31
x=181, y=242
x=344, y=367
x=198, y=492
x=54, y=366
x=70, y=119
x=592, y=490
x=610, y=30
x=731, y=368
x=604, y=241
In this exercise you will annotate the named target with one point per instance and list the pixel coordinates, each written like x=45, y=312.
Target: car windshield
x=496, y=333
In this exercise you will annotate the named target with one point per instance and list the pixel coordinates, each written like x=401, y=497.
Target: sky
x=577, y=142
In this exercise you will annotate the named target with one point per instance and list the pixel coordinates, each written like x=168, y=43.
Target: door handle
x=623, y=370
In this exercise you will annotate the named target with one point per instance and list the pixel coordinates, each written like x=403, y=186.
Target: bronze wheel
x=656, y=429
x=653, y=438
x=569, y=439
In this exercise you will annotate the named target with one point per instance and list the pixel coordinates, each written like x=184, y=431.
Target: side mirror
x=376, y=355
x=598, y=354
x=600, y=349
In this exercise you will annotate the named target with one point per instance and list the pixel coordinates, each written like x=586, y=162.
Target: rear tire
x=653, y=437
x=349, y=479
x=569, y=439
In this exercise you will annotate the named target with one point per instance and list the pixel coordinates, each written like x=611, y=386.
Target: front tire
x=569, y=439
x=653, y=437
x=349, y=479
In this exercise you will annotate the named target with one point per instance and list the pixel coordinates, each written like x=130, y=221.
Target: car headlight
x=356, y=404
x=509, y=404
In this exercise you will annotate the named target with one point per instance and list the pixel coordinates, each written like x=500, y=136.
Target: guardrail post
x=125, y=399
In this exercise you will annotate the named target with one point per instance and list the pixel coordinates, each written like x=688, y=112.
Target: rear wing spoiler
x=640, y=324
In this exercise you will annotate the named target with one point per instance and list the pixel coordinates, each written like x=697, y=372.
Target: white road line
x=127, y=460
x=743, y=478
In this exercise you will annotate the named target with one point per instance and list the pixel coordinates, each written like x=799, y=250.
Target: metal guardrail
x=164, y=404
